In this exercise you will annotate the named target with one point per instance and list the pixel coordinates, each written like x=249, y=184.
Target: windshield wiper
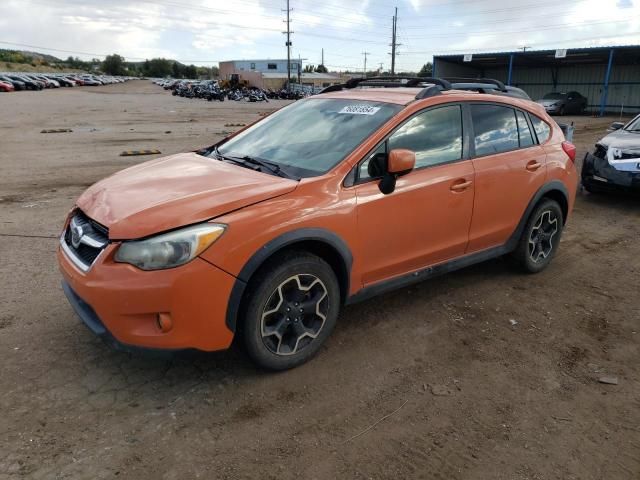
x=272, y=167
x=248, y=161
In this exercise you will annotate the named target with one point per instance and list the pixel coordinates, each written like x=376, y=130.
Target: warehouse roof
x=305, y=75
x=624, y=55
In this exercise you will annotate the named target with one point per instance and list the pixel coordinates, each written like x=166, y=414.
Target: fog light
x=164, y=322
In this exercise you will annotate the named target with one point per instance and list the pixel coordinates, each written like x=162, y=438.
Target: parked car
x=6, y=87
x=63, y=81
x=89, y=80
x=75, y=79
x=615, y=162
x=29, y=83
x=17, y=84
x=328, y=201
x=564, y=103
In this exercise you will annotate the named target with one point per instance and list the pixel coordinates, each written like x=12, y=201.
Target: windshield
x=553, y=96
x=634, y=125
x=311, y=136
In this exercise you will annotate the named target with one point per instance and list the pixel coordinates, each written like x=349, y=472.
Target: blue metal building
x=608, y=76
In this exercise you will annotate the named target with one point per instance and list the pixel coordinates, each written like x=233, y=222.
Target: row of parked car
x=212, y=90
x=12, y=81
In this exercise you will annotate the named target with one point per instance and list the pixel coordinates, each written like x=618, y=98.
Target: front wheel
x=540, y=238
x=292, y=307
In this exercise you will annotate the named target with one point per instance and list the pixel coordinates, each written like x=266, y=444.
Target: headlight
x=170, y=249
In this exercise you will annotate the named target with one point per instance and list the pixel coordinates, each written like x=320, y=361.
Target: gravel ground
x=481, y=374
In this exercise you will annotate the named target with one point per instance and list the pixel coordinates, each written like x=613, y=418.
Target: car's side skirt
x=428, y=272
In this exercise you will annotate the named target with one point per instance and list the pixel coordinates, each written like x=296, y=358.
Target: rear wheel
x=292, y=307
x=540, y=238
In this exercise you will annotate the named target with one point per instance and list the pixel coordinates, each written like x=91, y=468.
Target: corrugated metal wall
x=624, y=84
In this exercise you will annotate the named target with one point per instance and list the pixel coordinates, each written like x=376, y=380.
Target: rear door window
x=495, y=129
x=542, y=129
x=524, y=132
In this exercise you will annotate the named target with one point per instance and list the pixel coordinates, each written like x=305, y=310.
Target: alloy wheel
x=541, y=237
x=295, y=314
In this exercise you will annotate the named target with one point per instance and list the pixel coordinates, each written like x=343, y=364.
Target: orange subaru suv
x=328, y=201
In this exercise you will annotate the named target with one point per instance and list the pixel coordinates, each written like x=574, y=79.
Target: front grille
x=628, y=156
x=84, y=239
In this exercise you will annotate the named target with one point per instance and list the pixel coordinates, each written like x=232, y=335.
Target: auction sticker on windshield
x=359, y=110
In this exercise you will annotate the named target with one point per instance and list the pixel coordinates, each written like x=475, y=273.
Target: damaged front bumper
x=601, y=170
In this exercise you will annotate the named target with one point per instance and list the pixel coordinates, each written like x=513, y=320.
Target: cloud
x=206, y=31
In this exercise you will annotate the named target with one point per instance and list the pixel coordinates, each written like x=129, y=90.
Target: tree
x=308, y=68
x=176, y=70
x=191, y=71
x=114, y=65
x=426, y=70
x=321, y=69
x=158, y=67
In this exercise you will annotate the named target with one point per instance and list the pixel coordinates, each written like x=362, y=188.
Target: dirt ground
x=482, y=374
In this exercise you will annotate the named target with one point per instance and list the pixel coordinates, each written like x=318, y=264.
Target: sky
x=204, y=32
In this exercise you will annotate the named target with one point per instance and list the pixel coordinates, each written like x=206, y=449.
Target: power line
x=547, y=27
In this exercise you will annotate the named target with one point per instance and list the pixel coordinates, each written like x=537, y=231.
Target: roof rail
x=438, y=84
x=490, y=81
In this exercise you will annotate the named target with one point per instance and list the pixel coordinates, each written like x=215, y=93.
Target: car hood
x=174, y=191
x=546, y=102
x=622, y=139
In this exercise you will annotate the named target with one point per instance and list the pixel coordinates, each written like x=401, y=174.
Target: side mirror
x=399, y=162
x=616, y=126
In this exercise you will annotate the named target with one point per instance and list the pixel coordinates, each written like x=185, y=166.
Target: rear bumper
x=597, y=173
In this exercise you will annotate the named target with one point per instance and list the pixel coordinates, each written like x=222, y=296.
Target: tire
x=561, y=111
x=541, y=237
x=293, y=281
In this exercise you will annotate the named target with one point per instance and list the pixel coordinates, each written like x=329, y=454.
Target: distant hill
x=26, y=56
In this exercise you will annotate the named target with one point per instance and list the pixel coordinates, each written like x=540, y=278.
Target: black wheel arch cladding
x=324, y=243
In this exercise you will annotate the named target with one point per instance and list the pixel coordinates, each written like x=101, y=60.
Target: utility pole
x=364, y=75
x=322, y=57
x=381, y=67
x=288, y=44
x=393, y=42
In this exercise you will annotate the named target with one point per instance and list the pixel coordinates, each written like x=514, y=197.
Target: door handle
x=533, y=165
x=460, y=185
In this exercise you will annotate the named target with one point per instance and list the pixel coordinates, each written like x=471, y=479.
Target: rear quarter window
x=543, y=131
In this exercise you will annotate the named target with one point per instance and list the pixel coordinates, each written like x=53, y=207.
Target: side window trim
x=531, y=129
x=534, y=138
x=466, y=144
